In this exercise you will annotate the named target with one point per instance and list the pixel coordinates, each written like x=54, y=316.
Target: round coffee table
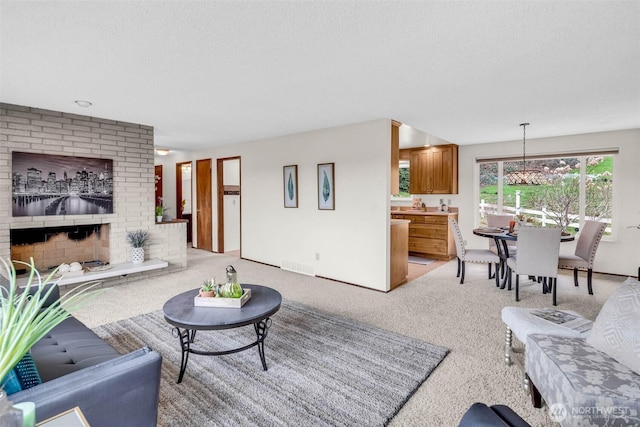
x=181, y=312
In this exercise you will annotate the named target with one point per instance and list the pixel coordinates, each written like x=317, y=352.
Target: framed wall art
x=326, y=188
x=44, y=184
x=290, y=181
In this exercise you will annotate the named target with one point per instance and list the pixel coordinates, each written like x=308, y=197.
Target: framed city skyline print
x=290, y=181
x=326, y=189
x=44, y=184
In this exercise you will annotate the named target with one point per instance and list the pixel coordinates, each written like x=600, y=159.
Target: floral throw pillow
x=616, y=330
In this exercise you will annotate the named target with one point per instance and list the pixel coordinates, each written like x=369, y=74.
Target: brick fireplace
x=130, y=147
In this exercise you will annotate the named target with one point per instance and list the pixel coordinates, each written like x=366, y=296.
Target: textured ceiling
x=209, y=73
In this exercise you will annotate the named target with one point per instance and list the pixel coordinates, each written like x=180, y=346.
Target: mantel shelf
x=115, y=270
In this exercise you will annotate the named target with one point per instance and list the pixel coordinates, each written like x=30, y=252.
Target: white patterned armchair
x=593, y=381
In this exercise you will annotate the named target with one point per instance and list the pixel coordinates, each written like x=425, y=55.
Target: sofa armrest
x=122, y=391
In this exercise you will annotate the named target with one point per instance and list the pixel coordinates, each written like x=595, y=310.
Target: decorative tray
x=223, y=302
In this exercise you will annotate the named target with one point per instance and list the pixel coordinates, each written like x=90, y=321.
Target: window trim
x=614, y=152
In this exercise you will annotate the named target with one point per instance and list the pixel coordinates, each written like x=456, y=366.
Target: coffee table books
x=568, y=320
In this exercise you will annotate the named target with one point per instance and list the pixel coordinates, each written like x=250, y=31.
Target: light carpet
x=434, y=308
x=324, y=370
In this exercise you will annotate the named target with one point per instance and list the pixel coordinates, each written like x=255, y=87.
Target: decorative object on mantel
x=24, y=319
x=137, y=239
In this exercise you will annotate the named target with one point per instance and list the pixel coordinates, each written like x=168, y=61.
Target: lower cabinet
x=429, y=235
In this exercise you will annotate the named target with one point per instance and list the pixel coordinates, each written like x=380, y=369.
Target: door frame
x=220, y=190
x=179, y=187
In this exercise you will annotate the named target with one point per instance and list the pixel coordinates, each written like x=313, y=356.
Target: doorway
x=204, y=238
x=183, y=195
x=229, y=229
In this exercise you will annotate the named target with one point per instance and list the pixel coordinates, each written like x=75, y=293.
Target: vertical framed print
x=290, y=181
x=326, y=187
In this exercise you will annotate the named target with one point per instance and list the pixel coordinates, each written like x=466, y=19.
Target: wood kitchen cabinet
x=395, y=157
x=434, y=170
x=429, y=234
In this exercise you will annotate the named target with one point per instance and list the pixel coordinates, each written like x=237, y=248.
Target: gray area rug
x=324, y=370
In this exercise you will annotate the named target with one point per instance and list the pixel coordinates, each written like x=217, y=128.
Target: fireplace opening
x=51, y=246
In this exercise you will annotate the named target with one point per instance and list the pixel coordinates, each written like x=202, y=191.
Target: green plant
x=137, y=238
x=23, y=317
x=159, y=210
x=207, y=286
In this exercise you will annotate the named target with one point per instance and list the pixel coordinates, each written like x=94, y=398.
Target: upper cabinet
x=433, y=170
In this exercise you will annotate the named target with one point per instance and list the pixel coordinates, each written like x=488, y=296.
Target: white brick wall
x=129, y=145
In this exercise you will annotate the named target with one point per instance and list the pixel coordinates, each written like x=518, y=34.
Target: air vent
x=297, y=267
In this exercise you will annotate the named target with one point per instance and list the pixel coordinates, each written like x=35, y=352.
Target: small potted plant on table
x=207, y=289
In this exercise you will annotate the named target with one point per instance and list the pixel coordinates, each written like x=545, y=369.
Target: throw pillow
x=23, y=376
x=615, y=331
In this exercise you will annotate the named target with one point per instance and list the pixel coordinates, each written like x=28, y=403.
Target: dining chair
x=495, y=220
x=482, y=256
x=538, y=251
x=585, y=252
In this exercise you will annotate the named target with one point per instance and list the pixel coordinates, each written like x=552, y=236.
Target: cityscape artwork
x=46, y=184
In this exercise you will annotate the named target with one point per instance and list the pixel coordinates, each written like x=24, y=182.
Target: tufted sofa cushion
x=69, y=347
x=616, y=330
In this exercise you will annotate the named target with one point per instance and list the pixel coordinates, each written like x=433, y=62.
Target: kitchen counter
x=399, y=237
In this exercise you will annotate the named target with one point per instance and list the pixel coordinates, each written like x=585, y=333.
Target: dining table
x=502, y=237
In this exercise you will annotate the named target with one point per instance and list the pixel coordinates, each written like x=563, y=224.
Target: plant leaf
x=326, y=188
x=290, y=186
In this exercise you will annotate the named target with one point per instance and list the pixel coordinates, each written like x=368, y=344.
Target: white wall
x=619, y=254
x=351, y=242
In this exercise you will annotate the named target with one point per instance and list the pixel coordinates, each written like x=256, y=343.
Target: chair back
x=589, y=240
x=457, y=237
x=495, y=220
x=538, y=250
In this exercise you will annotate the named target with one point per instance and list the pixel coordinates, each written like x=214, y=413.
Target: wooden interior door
x=203, y=197
x=158, y=179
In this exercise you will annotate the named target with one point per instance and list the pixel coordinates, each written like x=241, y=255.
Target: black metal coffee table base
x=186, y=319
x=187, y=337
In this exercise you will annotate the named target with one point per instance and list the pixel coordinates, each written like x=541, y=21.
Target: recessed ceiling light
x=84, y=104
x=162, y=151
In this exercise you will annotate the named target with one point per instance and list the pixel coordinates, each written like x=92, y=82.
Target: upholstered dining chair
x=538, y=250
x=482, y=256
x=495, y=220
x=585, y=252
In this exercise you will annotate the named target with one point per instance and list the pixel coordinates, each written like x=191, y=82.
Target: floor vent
x=296, y=267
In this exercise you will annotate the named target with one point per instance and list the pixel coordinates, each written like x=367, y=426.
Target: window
x=563, y=191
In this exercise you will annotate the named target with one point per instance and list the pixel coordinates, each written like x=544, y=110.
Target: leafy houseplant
x=207, y=289
x=23, y=317
x=137, y=238
x=159, y=210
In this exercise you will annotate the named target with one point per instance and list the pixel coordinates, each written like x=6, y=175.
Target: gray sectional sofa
x=80, y=369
